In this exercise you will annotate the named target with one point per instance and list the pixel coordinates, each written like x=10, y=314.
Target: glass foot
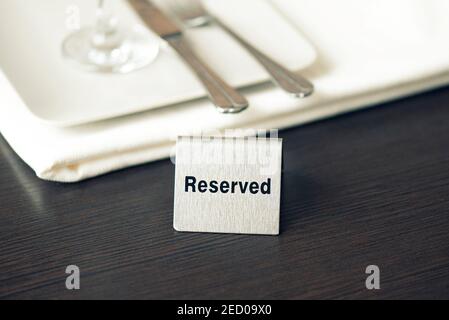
x=123, y=52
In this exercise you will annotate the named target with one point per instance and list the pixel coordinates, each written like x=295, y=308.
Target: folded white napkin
x=368, y=53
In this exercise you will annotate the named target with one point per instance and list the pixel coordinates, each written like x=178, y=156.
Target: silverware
x=224, y=97
x=194, y=15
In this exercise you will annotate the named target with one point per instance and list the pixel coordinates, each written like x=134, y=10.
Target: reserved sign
x=228, y=185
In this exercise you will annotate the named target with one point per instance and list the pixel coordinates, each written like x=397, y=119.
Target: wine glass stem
x=106, y=34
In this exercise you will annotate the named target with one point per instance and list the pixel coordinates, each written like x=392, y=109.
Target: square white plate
x=60, y=94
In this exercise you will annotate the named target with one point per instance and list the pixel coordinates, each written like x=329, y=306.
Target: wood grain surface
x=370, y=187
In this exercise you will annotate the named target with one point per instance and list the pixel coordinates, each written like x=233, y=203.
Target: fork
x=193, y=14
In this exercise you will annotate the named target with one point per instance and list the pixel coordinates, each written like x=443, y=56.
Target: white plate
x=57, y=92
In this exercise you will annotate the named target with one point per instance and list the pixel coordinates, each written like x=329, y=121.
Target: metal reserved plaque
x=228, y=185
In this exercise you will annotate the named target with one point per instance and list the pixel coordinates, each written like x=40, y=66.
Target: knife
x=224, y=97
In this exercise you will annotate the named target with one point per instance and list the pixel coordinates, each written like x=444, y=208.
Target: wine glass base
x=136, y=51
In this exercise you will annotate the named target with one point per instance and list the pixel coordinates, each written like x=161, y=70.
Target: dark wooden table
x=371, y=187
